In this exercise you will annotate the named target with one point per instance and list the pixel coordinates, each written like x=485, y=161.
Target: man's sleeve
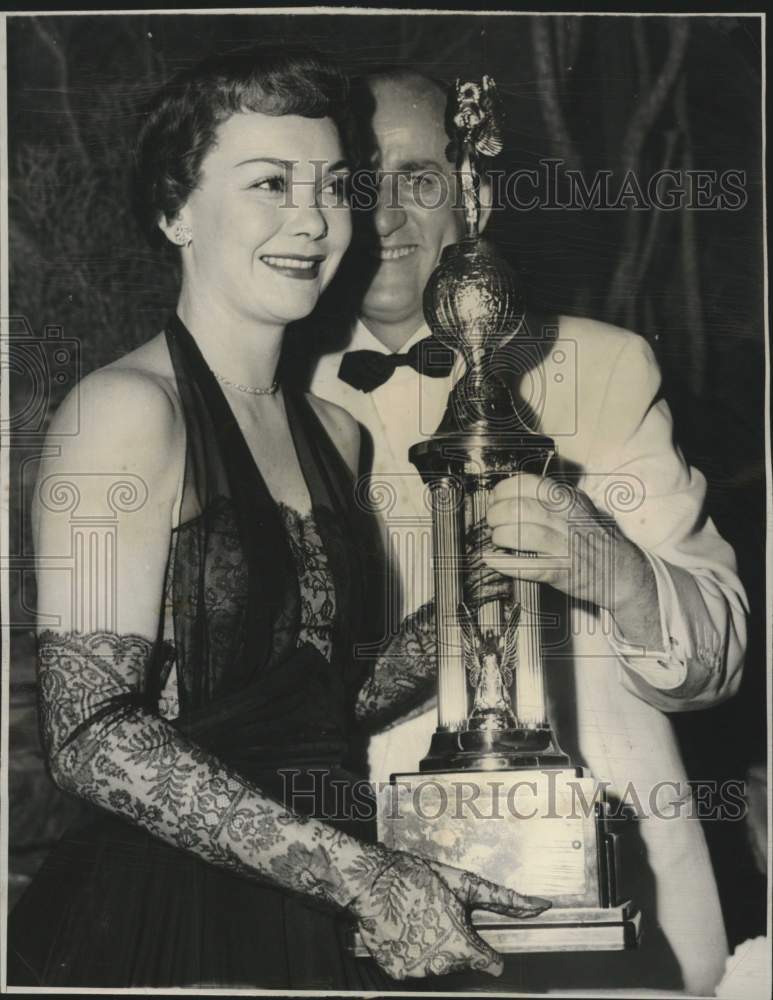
x=637, y=473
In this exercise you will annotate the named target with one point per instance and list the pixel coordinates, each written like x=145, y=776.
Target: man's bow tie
x=367, y=370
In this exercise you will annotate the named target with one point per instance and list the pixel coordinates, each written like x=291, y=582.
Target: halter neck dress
x=252, y=662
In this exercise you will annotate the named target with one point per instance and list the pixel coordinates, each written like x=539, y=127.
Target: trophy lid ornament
x=478, y=124
x=472, y=302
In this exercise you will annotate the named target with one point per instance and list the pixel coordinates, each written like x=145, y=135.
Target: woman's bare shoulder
x=127, y=410
x=342, y=428
x=146, y=368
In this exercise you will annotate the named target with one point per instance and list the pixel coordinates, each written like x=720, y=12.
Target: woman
x=227, y=658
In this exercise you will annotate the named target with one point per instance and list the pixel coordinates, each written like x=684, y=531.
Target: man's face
x=416, y=215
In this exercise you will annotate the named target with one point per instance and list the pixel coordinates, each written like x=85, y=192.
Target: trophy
x=495, y=794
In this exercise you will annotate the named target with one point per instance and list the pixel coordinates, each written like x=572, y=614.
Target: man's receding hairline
x=434, y=94
x=408, y=76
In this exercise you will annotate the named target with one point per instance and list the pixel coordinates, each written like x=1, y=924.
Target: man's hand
x=581, y=551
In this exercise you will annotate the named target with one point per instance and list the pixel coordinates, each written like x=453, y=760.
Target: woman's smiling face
x=268, y=218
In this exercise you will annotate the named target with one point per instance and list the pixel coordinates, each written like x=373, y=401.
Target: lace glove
x=405, y=672
x=414, y=916
x=105, y=744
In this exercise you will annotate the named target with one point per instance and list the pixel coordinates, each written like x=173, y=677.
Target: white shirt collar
x=364, y=340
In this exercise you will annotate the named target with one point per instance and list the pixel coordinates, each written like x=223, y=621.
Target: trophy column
x=498, y=721
x=449, y=525
x=446, y=544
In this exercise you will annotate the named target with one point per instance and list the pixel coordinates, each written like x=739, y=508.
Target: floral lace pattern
x=227, y=586
x=104, y=745
x=405, y=671
x=318, y=605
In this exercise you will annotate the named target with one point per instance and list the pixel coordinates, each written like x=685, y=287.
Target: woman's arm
x=105, y=742
x=123, y=757
x=404, y=673
x=104, y=745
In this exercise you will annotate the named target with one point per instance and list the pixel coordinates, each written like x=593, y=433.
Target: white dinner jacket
x=595, y=390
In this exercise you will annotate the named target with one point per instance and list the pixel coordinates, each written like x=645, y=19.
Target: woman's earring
x=182, y=235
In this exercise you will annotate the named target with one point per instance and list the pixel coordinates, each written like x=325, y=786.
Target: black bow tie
x=367, y=370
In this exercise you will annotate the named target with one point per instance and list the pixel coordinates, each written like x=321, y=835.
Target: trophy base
x=542, y=832
x=492, y=750
x=579, y=928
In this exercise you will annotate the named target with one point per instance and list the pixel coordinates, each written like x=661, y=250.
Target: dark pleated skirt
x=114, y=907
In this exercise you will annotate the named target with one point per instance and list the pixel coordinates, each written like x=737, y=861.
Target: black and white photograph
x=385, y=463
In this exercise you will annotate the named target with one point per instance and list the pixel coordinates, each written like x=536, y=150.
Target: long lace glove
x=414, y=917
x=106, y=746
x=405, y=672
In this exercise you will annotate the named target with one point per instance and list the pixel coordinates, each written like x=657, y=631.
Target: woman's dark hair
x=179, y=125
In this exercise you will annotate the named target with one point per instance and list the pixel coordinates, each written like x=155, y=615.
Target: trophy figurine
x=495, y=793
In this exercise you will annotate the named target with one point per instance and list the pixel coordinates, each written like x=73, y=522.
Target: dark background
x=599, y=92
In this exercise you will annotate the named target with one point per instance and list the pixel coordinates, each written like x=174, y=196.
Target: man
x=663, y=631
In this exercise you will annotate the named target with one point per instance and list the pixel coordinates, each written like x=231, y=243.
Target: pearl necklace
x=253, y=390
